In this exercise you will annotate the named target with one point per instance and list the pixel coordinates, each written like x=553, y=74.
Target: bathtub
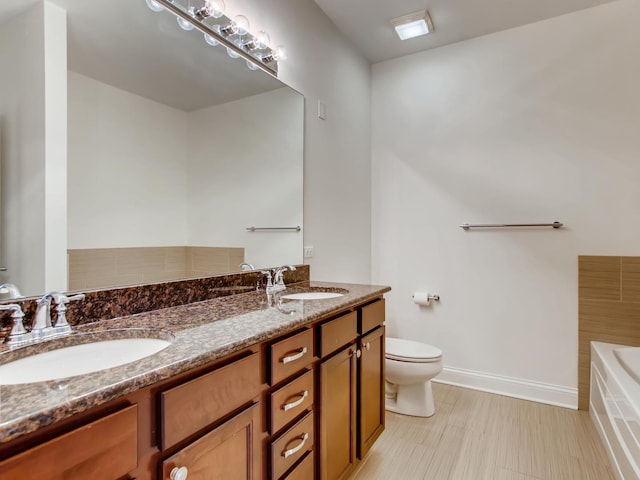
x=615, y=404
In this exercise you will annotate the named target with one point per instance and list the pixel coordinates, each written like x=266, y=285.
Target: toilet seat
x=409, y=351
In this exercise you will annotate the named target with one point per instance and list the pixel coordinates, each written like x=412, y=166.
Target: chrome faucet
x=41, y=326
x=278, y=279
x=11, y=289
x=247, y=267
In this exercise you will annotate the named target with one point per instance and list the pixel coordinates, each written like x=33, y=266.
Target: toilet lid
x=410, y=351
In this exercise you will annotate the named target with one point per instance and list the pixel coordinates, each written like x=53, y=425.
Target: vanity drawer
x=372, y=316
x=338, y=332
x=290, y=355
x=291, y=446
x=304, y=471
x=101, y=450
x=189, y=407
x=290, y=401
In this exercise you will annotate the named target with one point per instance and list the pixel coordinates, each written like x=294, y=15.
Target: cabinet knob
x=358, y=353
x=179, y=473
x=367, y=346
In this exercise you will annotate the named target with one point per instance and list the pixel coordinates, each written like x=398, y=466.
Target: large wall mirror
x=134, y=152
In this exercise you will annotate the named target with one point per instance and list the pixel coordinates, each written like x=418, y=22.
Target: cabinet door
x=371, y=390
x=229, y=452
x=338, y=415
x=102, y=450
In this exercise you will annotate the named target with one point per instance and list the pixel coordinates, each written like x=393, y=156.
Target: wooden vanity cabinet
x=338, y=414
x=228, y=449
x=307, y=405
x=104, y=449
x=226, y=453
x=371, y=383
x=290, y=406
x=351, y=387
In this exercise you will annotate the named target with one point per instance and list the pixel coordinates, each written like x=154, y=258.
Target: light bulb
x=216, y=7
x=241, y=24
x=212, y=8
x=259, y=41
x=155, y=6
x=210, y=40
x=262, y=39
x=251, y=65
x=185, y=25
x=275, y=55
x=232, y=53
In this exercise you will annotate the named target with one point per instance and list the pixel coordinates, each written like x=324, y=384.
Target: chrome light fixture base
x=223, y=32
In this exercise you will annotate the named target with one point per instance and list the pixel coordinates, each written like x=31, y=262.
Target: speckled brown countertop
x=200, y=332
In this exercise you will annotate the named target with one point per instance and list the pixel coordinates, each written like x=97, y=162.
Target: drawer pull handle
x=293, y=358
x=303, y=439
x=289, y=406
x=179, y=473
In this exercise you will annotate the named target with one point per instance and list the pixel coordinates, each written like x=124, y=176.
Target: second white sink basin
x=78, y=360
x=311, y=296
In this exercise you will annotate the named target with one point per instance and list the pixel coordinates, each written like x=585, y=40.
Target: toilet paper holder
x=431, y=296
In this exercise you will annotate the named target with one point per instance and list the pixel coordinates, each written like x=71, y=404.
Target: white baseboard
x=511, y=387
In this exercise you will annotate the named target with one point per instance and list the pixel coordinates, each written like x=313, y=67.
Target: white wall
x=534, y=124
x=33, y=236
x=322, y=65
x=127, y=181
x=250, y=176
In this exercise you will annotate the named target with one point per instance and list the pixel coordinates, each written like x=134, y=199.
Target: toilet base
x=414, y=399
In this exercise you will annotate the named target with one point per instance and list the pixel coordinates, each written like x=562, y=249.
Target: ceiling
x=366, y=22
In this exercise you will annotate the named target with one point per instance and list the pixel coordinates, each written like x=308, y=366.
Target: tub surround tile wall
x=118, y=302
x=608, y=309
x=93, y=268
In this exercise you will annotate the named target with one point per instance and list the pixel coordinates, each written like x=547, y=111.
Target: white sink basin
x=78, y=360
x=311, y=296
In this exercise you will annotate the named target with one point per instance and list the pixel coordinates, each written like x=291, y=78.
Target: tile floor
x=481, y=436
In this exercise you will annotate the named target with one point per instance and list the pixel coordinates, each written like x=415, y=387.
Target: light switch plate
x=308, y=252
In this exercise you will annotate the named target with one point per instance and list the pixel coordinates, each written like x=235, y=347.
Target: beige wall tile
x=630, y=267
x=599, y=277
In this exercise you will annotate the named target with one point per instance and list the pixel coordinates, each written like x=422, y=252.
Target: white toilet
x=410, y=366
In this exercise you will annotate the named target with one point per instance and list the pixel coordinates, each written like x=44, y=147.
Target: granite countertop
x=199, y=332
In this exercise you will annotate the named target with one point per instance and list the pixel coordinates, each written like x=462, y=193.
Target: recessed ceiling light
x=413, y=24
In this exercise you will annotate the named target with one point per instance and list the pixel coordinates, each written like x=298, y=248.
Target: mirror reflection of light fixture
x=413, y=25
x=184, y=24
x=155, y=6
x=232, y=33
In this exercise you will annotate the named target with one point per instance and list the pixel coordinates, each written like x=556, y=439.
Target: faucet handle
x=62, y=299
x=62, y=326
x=18, y=333
x=267, y=273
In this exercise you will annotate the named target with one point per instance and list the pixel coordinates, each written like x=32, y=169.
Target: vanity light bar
x=264, y=59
